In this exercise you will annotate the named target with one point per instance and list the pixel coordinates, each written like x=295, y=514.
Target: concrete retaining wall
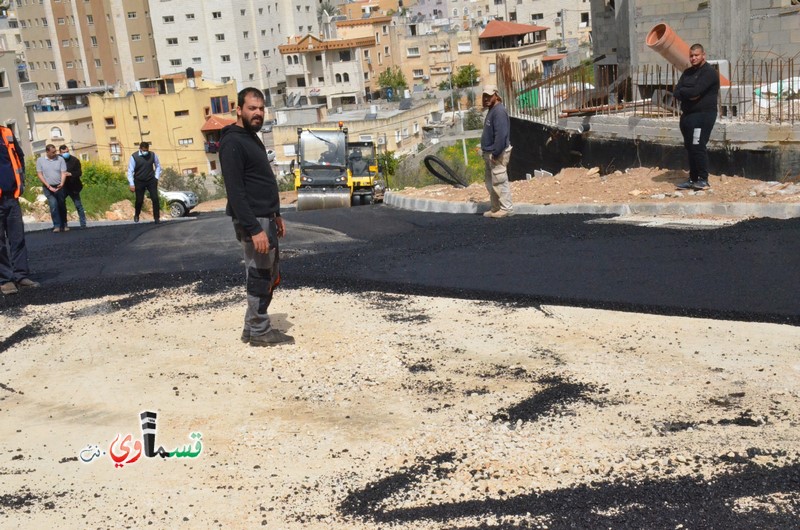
x=758, y=151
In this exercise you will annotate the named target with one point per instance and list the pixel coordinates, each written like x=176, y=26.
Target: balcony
x=211, y=147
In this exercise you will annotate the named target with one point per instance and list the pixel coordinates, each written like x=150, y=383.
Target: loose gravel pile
x=396, y=411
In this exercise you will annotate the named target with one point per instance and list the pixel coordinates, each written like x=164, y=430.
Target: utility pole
x=563, y=13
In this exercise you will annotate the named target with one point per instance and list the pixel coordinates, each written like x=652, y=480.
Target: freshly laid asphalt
x=749, y=271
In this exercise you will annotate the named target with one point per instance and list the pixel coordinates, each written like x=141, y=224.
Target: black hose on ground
x=447, y=176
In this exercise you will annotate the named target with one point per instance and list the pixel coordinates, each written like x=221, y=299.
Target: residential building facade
x=329, y=72
x=170, y=112
x=231, y=40
x=87, y=43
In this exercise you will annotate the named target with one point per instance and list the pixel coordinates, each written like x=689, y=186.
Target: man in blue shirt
x=144, y=170
x=496, y=150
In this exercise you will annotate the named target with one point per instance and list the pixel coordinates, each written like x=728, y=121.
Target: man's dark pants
x=263, y=275
x=13, y=252
x=696, y=129
x=151, y=186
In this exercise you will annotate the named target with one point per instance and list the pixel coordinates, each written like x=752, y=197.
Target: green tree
x=326, y=7
x=473, y=120
x=466, y=76
x=393, y=78
x=388, y=163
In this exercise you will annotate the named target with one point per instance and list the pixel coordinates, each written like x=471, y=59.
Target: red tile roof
x=500, y=28
x=215, y=123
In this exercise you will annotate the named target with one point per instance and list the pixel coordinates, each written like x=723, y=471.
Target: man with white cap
x=496, y=150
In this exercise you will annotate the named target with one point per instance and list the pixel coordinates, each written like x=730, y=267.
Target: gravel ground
x=433, y=413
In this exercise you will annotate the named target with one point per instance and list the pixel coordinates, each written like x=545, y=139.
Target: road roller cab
x=322, y=177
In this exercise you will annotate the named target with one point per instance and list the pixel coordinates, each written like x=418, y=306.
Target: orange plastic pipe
x=663, y=40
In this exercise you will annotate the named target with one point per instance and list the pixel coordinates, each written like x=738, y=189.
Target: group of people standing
x=60, y=174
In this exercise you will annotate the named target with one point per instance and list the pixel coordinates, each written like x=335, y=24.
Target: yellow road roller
x=329, y=172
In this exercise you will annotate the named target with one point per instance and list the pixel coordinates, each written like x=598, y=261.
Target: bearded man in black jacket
x=255, y=207
x=697, y=90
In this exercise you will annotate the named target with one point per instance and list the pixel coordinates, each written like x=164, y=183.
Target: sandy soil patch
x=435, y=413
x=580, y=185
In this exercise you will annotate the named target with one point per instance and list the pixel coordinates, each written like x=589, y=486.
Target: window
x=584, y=20
x=418, y=74
x=110, y=122
x=60, y=21
x=196, y=60
x=226, y=78
x=89, y=19
x=3, y=79
x=246, y=34
x=189, y=16
x=265, y=53
x=193, y=38
x=246, y=56
x=65, y=43
x=260, y=10
x=115, y=149
x=344, y=55
x=97, y=63
x=138, y=59
x=52, y=65
x=413, y=52
x=225, y=58
x=346, y=77
x=338, y=78
x=185, y=141
x=49, y=43
x=242, y=12
x=55, y=132
x=492, y=68
x=131, y=14
x=172, y=41
x=464, y=47
x=220, y=37
x=169, y=19
x=136, y=36
x=70, y=64
x=537, y=16
x=216, y=14
x=179, y=113
x=175, y=62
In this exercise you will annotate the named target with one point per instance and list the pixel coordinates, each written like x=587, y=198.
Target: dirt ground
x=580, y=185
x=433, y=413
x=439, y=413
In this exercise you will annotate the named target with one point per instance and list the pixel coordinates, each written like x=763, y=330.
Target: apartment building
x=175, y=113
x=375, y=59
x=428, y=56
x=14, y=95
x=231, y=40
x=86, y=43
x=328, y=72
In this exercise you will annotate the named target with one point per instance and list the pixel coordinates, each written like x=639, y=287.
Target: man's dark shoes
x=688, y=185
x=245, y=336
x=27, y=282
x=701, y=185
x=9, y=288
x=272, y=337
x=135, y=218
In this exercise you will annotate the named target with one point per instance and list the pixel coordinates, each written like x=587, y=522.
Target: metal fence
x=763, y=91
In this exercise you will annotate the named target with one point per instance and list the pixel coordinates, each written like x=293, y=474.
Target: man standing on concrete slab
x=144, y=170
x=13, y=252
x=697, y=90
x=496, y=151
x=254, y=205
x=52, y=171
x=73, y=185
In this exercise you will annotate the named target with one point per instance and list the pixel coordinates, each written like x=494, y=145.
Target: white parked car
x=180, y=202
